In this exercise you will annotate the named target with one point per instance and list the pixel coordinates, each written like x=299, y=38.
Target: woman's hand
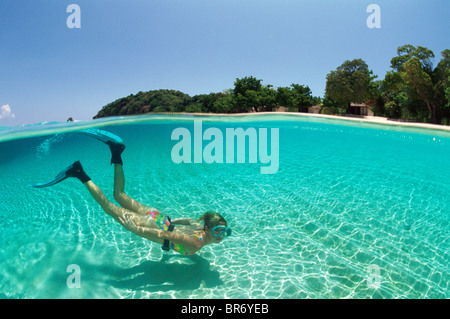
x=127, y=221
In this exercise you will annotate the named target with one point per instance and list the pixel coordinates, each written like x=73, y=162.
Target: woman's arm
x=184, y=221
x=158, y=235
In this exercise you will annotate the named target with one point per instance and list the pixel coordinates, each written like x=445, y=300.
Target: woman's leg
x=123, y=199
x=119, y=182
x=115, y=211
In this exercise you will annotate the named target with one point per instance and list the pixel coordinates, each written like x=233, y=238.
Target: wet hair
x=212, y=219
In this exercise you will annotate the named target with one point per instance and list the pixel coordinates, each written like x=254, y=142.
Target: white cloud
x=5, y=112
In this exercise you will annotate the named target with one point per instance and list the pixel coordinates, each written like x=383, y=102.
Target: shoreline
x=39, y=129
x=368, y=119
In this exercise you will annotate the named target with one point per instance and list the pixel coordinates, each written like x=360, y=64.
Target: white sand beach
x=369, y=119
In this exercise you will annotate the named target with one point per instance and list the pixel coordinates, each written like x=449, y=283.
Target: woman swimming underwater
x=147, y=222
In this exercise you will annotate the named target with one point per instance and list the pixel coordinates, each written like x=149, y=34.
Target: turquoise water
x=356, y=210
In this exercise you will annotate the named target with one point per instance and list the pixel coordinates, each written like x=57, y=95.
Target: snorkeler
x=147, y=222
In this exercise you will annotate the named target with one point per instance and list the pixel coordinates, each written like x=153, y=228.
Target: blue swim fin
x=103, y=136
x=74, y=170
x=114, y=142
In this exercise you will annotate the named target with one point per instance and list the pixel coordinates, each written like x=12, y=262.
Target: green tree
x=207, y=101
x=408, y=51
x=248, y=83
x=284, y=97
x=330, y=106
x=298, y=96
x=351, y=82
x=249, y=94
x=151, y=101
x=376, y=99
x=225, y=104
x=267, y=98
x=447, y=93
x=421, y=81
x=397, y=102
x=393, y=82
x=303, y=97
x=246, y=93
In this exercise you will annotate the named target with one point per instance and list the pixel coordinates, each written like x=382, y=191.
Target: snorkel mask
x=221, y=231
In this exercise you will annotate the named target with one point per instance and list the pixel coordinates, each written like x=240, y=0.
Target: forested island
x=413, y=89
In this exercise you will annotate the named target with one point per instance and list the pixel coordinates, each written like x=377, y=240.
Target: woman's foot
x=116, y=151
x=114, y=142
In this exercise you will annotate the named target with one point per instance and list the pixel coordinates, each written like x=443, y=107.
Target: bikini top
x=180, y=248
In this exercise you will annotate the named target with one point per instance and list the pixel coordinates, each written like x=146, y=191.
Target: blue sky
x=49, y=72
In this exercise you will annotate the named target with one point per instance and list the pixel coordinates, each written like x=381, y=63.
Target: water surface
x=348, y=198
